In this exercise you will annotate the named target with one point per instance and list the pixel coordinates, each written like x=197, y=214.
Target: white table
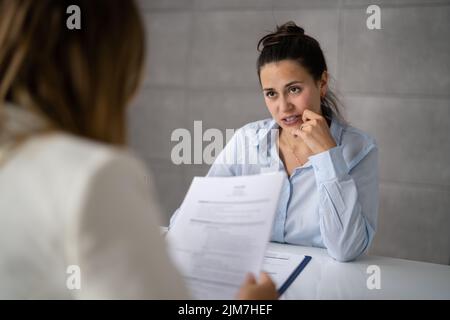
x=325, y=278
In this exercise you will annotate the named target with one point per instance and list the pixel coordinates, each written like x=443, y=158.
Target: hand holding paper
x=222, y=232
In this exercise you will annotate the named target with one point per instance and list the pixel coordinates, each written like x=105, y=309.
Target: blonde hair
x=79, y=80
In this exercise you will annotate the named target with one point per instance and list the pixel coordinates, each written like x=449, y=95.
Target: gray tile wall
x=394, y=83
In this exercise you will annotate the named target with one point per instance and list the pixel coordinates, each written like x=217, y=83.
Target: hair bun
x=289, y=29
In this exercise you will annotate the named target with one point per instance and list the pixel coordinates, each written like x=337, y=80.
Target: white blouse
x=66, y=201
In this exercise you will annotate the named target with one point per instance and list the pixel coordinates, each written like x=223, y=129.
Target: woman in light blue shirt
x=330, y=194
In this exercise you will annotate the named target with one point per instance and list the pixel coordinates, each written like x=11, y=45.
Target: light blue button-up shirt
x=330, y=202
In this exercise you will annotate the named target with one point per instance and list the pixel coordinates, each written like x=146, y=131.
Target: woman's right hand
x=264, y=289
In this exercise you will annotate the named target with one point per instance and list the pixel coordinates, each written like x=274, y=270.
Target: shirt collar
x=336, y=130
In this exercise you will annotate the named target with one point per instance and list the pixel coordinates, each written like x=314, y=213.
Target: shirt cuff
x=329, y=165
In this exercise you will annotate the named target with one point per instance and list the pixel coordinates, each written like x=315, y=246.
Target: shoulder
x=74, y=155
x=65, y=166
x=356, y=144
x=255, y=131
x=258, y=125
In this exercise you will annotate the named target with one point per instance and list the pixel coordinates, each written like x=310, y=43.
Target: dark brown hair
x=79, y=80
x=289, y=42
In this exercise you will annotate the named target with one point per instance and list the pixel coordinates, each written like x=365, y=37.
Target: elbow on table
x=173, y=218
x=349, y=253
x=343, y=256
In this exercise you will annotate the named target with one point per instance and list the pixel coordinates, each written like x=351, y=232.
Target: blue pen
x=294, y=275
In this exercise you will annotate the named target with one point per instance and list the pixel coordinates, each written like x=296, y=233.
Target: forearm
x=344, y=204
x=342, y=223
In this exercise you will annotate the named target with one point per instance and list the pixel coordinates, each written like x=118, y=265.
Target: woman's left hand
x=315, y=132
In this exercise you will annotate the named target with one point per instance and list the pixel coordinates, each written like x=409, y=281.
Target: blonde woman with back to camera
x=70, y=193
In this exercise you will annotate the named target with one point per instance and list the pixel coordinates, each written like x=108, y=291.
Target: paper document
x=222, y=231
x=284, y=267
